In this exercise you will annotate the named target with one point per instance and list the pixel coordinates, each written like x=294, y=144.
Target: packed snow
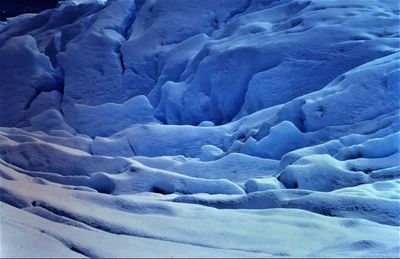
x=201, y=128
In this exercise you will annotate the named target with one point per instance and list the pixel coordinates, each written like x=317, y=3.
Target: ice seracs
x=201, y=128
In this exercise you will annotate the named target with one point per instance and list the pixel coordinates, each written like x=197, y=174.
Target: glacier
x=201, y=128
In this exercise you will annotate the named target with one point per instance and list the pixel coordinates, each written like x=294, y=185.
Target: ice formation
x=201, y=128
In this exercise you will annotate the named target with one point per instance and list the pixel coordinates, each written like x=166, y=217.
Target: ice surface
x=21, y=56
x=202, y=128
x=106, y=119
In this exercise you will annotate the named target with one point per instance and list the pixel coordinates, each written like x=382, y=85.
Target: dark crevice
x=62, y=113
x=58, y=86
x=129, y=21
x=368, y=170
x=5, y=176
x=94, y=224
x=88, y=221
x=121, y=59
x=126, y=34
x=61, y=76
x=131, y=147
x=85, y=221
x=8, y=197
x=31, y=99
x=69, y=245
x=238, y=12
x=35, y=95
x=77, y=250
x=159, y=190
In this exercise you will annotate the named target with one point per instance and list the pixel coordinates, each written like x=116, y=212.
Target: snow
x=210, y=152
x=251, y=230
x=263, y=184
x=306, y=173
x=234, y=167
x=202, y=128
x=282, y=138
x=159, y=140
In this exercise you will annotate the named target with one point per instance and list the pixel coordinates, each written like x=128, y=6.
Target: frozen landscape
x=201, y=128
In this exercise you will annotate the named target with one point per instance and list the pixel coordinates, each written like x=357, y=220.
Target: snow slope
x=202, y=128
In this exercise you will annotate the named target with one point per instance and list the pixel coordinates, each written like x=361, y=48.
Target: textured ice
x=201, y=128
